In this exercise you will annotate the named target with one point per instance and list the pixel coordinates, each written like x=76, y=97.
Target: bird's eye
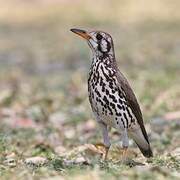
x=99, y=36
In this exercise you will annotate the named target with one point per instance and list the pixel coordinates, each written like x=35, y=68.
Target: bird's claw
x=105, y=154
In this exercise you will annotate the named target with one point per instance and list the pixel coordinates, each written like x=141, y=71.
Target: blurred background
x=44, y=107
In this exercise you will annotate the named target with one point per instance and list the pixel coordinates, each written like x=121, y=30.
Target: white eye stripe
x=104, y=45
x=104, y=42
x=103, y=34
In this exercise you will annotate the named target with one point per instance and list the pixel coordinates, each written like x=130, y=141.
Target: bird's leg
x=106, y=140
x=125, y=144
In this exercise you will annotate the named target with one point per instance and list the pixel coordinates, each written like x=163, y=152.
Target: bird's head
x=100, y=42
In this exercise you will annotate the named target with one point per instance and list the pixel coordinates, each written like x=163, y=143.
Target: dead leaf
x=92, y=149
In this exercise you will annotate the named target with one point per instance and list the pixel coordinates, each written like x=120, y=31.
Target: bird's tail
x=142, y=143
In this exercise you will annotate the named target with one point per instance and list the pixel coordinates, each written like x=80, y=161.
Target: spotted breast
x=107, y=99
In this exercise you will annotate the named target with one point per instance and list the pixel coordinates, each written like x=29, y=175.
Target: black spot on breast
x=111, y=84
x=118, y=114
x=112, y=105
x=120, y=93
x=123, y=122
x=97, y=92
x=119, y=106
x=105, y=112
x=110, y=110
x=101, y=102
x=105, y=75
x=124, y=114
x=101, y=81
x=113, y=98
x=103, y=88
x=105, y=100
x=93, y=95
x=129, y=114
x=107, y=92
x=120, y=101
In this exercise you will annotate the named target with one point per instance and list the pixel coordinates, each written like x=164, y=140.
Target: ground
x=47, y=130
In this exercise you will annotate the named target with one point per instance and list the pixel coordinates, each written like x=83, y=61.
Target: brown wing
x=132, y=101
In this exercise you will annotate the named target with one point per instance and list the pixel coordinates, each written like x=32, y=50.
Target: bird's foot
x=124, y=155
x=104, y=157
x=104, y=149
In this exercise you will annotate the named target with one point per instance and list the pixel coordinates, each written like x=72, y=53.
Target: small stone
x=36, y=161
x=81, y=160
x=10, y=160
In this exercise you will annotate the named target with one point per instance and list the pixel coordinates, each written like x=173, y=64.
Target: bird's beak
x=81, y=33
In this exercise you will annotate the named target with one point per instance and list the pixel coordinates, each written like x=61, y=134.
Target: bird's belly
x=108, y=100
x=102, y=113
x=115, y=117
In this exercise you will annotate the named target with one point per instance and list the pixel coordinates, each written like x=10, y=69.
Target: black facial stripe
x=99, y=37
x=99, y=47
x=108, y=46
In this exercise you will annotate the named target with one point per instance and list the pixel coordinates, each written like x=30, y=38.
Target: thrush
x=112, y=99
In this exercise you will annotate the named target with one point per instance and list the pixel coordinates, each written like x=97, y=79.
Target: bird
x=111, y=97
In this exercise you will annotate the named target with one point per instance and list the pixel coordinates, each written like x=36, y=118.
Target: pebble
x=36, y=161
